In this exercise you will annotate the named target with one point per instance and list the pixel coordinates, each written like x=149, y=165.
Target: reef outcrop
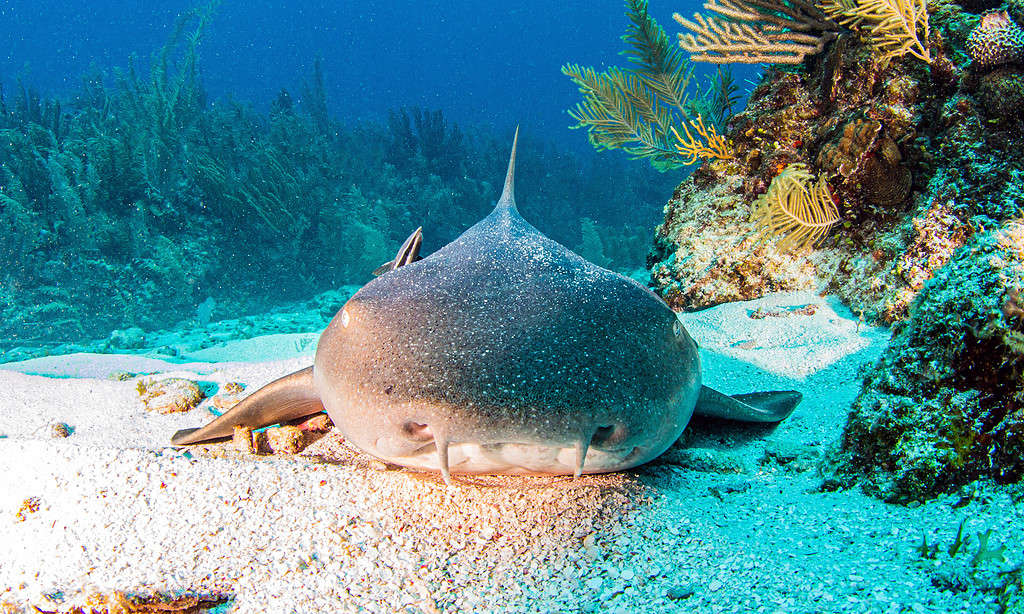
x=945, y=404
x=924, y=163
x=918, y=158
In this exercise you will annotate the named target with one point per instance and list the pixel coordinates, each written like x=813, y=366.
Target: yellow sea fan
x=795, y=208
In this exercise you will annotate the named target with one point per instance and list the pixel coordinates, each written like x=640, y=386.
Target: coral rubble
x=170, y=396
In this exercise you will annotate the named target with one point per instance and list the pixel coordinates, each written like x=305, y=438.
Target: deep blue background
x=480, y=62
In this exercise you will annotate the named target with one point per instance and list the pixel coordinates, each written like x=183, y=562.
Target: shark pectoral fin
x=290, y=397
x=773, y=406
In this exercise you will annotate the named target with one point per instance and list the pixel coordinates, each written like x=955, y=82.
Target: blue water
x=120, y=218
x=480, y=62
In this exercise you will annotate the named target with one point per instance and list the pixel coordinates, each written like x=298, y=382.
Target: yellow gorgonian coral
x=893, y=27
x=796, y=208
x=709, y=145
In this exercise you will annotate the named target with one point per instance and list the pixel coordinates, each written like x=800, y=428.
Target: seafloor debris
x=228, y=396
x=30, y=505
x=285, y=439
x=783, y=312
x=118, y=602
x=59, y=430
x=169, y=396
x=243, y=440
x=317, y=423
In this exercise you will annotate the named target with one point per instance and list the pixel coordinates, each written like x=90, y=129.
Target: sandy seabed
x=729, y=520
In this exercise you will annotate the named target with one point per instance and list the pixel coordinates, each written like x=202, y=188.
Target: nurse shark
x=502, y=352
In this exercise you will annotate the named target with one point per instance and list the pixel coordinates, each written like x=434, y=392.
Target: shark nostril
x=417, y=432
x=609, y=435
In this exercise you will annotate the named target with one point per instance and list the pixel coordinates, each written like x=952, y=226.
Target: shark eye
x=344, y=318
x=677, y=328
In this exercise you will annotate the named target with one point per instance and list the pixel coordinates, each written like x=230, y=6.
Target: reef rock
x=917, y=159
x=170, y=396
x=945, y=404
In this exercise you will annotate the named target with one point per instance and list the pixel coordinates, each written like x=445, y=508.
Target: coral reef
x=944, y=404
x=867, y=160
x=917, y=157
x=714, y=256
x=1001, y=95
x=924, y=163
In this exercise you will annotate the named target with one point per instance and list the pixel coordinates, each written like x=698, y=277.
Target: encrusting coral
x=996, y=40
x=866, y=160
x=945, y=404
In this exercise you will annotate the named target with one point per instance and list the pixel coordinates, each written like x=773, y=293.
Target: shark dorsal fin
x=407, y=254
x=508, y=196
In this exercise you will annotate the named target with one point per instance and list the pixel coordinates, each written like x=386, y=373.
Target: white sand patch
x=792, y=334
x=259, y=349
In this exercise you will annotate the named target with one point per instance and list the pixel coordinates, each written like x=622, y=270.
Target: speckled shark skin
x=502, y=352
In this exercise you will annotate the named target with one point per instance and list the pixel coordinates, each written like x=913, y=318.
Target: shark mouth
x=438, y=454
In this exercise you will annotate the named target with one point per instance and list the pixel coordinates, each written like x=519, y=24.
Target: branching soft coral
x=894, y=28
x=708, y=144
x=641, y=110
x=756, y=31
